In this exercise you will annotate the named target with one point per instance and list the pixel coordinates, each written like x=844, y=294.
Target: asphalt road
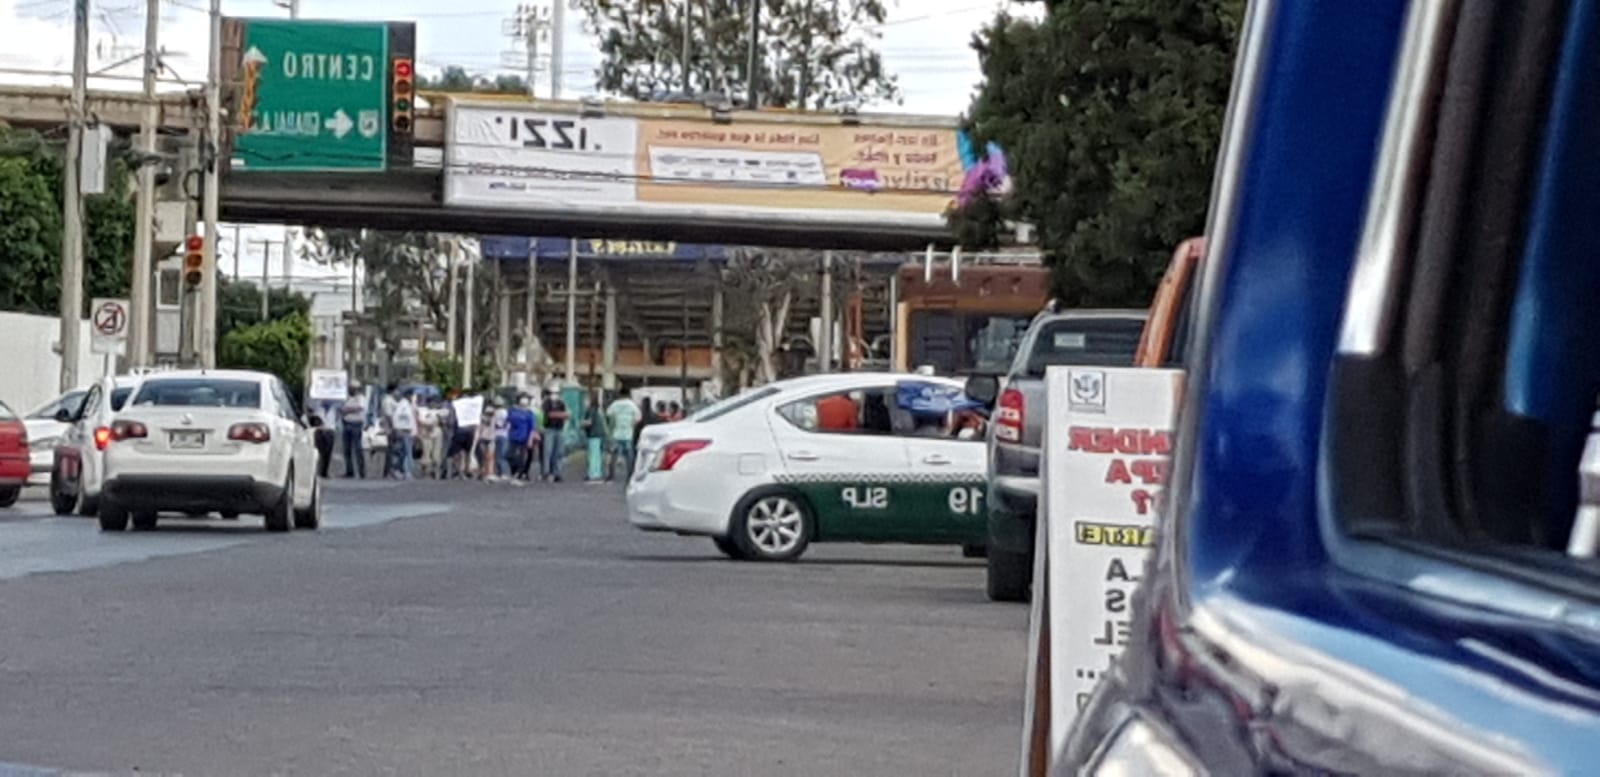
x=466, y=628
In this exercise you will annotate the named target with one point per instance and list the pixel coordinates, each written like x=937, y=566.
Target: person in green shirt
x=622, y=416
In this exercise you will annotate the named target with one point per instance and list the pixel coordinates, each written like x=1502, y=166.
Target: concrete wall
x=30, y=370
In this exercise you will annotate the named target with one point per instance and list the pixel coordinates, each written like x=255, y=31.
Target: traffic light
x=404, y=96
x=194, y=259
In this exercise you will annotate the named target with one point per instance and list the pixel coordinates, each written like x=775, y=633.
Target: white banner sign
x=329, y=384
x=469, y=411
x=1108, y=441
x=515, y=157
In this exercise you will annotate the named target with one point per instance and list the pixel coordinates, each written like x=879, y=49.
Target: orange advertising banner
x=798, y=166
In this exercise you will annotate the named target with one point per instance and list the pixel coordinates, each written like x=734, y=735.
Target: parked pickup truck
x=1106, y=338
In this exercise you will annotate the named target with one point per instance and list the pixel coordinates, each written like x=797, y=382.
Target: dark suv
x=1107, y=338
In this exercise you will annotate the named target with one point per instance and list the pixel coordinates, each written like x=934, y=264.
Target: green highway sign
x=313, y=95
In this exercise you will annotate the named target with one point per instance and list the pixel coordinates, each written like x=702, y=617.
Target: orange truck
x=1170, y=327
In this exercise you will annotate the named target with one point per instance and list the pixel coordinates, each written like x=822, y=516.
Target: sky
x=924, y=42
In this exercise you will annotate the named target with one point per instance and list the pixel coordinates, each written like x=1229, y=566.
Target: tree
x=455, y=78
x=406, y=273
x=1109, y=112
x=760, y=288
x=813, y=53
x=239, y=305
x=31, y=227
x=281, y=347
x=445, y=372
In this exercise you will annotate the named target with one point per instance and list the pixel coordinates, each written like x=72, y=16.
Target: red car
x=14, y=464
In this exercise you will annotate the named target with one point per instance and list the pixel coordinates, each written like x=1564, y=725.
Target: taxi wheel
x=60, y=503
x=730, y=548
x=112, y=517
x=1009, y=576
x=311, y=517
x=772, y=526
x=8, y=496
x=279, y=516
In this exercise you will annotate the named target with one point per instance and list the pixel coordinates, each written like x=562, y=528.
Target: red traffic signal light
x=401, y=87
x=194, y=259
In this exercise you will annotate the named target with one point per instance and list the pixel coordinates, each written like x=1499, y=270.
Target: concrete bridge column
x=716, y=336
x=608, y=379
x=534, y=348
x=502, y=323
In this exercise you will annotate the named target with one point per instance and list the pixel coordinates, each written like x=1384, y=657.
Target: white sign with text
x=1107, y=447
x=509, y=156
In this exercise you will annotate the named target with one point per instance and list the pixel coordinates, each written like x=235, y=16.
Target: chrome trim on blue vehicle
x=1399, y=179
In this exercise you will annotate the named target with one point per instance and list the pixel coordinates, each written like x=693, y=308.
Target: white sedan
x=198, y=441
x=77, y=452
x=858, y=457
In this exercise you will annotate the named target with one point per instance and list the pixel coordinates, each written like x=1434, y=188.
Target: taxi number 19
x=966, y=500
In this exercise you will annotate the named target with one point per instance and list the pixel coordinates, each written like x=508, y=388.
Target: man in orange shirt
x=836, y=414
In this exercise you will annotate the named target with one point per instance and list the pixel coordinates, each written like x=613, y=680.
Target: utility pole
x=683, y=59
x=212, y=206
x=805, y=62
x=236, y=246
x=557, y=49
x=72, y=203
x=139, y=301
x=266, y=285
x=751, y=75
x=450, y=305
x=531, y=41
x=472, y=308
x=525, y=26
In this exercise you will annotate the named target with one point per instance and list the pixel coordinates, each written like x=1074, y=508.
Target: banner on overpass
x=769, y=167
x=558, y=249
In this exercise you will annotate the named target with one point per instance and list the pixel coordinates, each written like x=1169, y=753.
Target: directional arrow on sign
x=255, y=55
x=340, y=123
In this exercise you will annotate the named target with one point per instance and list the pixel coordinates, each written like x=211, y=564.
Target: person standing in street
x=555, y=442
x=353, y=418
x=501, y=423
x=521, y=424
x=403, y=428
x=465, y=434
x=594, y=432
x=623, y=418
x=323, y=421
x=647, y=416
x=430, y=436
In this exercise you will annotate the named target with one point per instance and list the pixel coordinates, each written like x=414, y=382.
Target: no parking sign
x=108, y=319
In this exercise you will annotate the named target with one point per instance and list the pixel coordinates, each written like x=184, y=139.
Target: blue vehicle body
x=1266, y=640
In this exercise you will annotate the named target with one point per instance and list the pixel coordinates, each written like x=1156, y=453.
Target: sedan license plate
x=187, y=440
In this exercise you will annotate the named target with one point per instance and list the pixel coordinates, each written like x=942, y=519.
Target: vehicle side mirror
x=64, y=415
x=983, y=389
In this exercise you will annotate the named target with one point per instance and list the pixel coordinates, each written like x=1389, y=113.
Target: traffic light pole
x=72, y=226
x=212, y=206
x=140, y=305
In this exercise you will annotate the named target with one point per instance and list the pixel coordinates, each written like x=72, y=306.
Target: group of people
x=466, y=435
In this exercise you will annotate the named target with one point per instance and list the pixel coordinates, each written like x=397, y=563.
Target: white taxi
x=77, y=451
x=199, y=441
x=858, y=457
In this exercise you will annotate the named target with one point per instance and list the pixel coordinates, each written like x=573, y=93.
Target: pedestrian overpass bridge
x=414, y=198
